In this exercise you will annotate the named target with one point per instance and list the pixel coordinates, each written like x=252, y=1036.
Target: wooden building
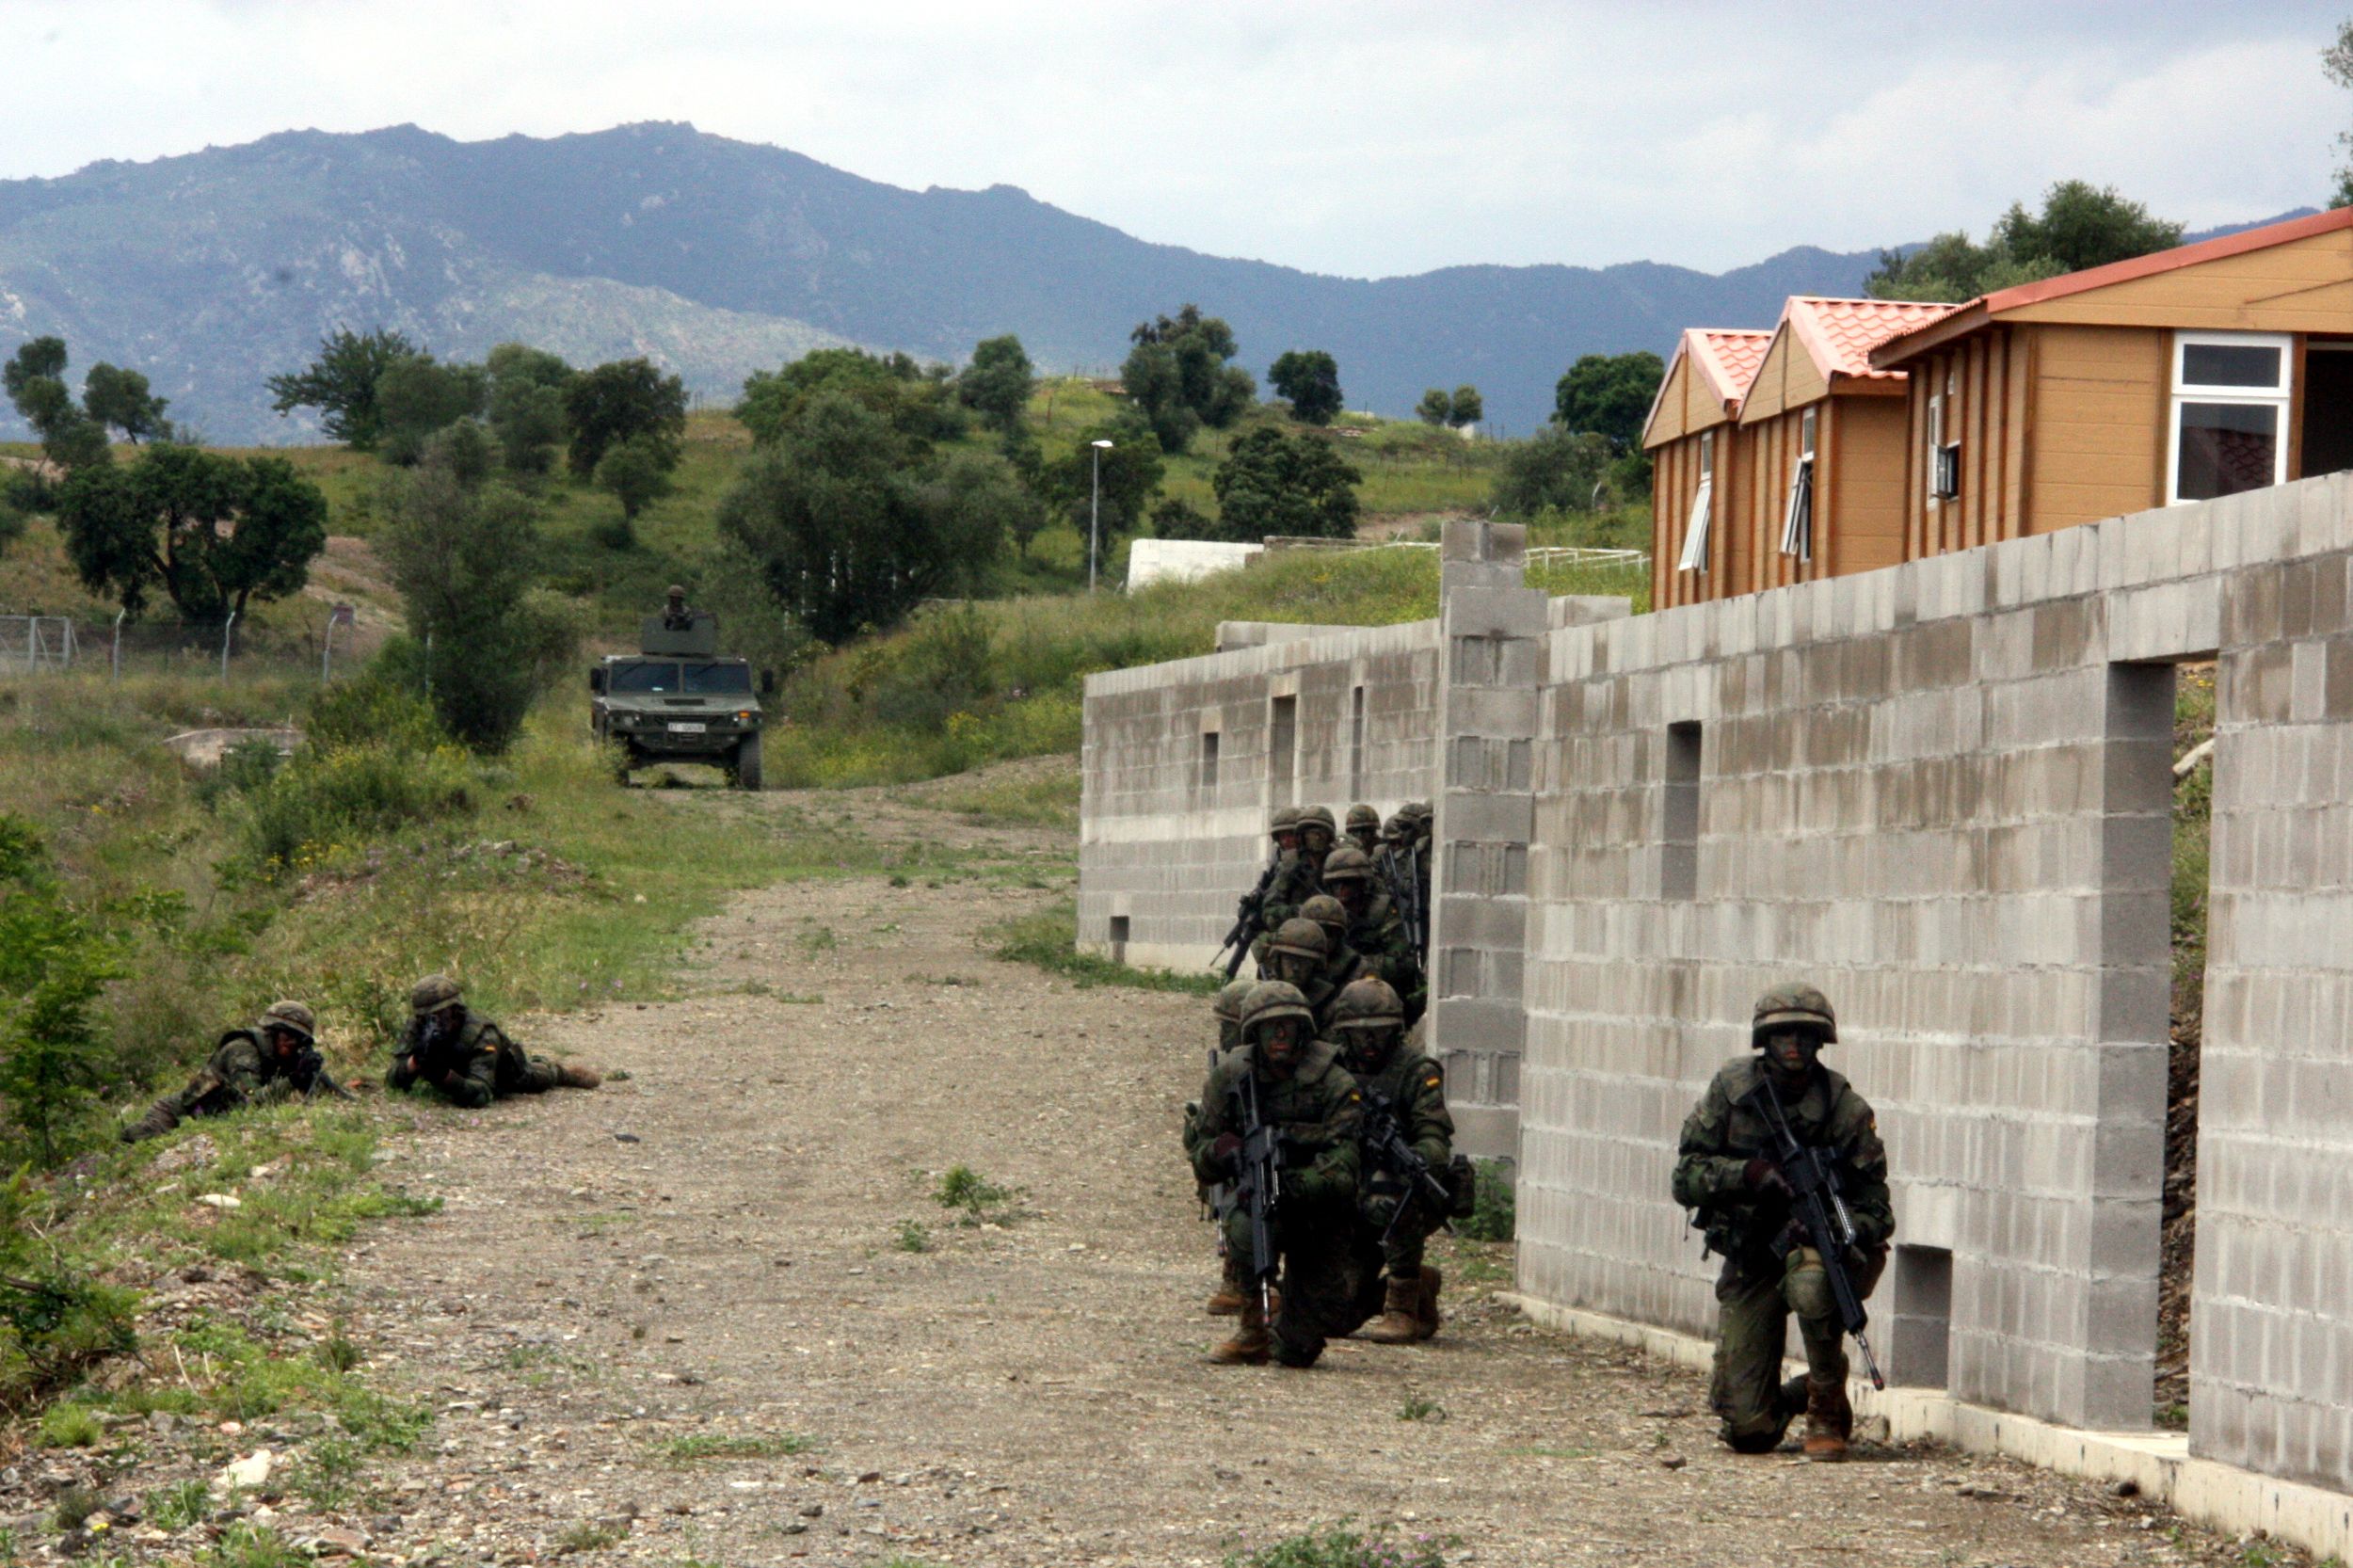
x=1699, y=543
x=2181, y=376
x=1822, y=445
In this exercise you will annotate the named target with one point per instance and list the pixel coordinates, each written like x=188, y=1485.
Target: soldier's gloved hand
x=1763, y=1175
x=1226, y=1151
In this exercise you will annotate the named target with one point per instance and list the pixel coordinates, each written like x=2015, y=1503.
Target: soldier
x=261, y=1065
x=1292, y=885
x=1399, y=1082
x=1342, y=963
x=1317, y=832
x=455, y=1049
x=1226, y=1010
x=1307, y=1098
x=676, y=616
x=1741, y=1200
x=1375, y=928
x=1364, y=827
x=1295, y=956
x=1225, y=1301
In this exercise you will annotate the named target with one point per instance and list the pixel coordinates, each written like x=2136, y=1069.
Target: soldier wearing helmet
x=1342, y=963
x=260, y=1065
x=1227, y=1009
x=1293, y=883
x=1364, y=827
x=1375, y=928
x=456, y=1051
x=1401, y=1084
x=1312, y=1102
x=1741, y=1199
x=1295, y=954
x=676, y=616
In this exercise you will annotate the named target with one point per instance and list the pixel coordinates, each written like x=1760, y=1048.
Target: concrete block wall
x=1164, y=851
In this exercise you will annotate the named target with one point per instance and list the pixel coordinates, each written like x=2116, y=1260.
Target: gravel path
x=628, y=1286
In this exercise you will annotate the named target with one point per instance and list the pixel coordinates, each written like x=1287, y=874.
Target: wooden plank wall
x=1987, y=386
x=1675, y=480
x=1859, y=483
x=2102, y=395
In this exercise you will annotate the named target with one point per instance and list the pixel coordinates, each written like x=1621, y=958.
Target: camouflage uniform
x=450, y=1048
x=1364, y=827
x=1316, y=1106
x=1295, y=956
x=1292, y=885
x=1375, y=928
x=676, y=616
x=1723, y=1178
x=1369, y=1025
x=244, y=1069
x=1342, y=965
x=1225, y=1301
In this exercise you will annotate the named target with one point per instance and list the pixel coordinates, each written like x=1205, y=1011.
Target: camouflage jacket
x=1412, y=1087
x=463, y=1064
x=1317, y=1110
x=1726, y=1130
x=1379, y=933
x=1297, y=879
x=241, y=1071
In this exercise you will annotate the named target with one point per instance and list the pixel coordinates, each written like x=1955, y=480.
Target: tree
x=912, y=400
x=340, y=383
x=417, y=396
x=212, y=532
x=120, y=399
x=2336, y=63
x=633, y=474
x=983, y=504
x=1181, y=520
x=1468, y=407
x=1311, y=379
x=843, y=533
x=1608, y=395
x=1179, y=378
x=1273, y=484
x=998, y=380
x=1132, y=472
x=1555, y=469
x=1435, y=406
x=527, y=405
x=2080, y=226
x=621, y=399
x=34, y=378
x=53, y=971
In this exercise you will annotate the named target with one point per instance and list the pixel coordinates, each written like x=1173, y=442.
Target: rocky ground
x=715, y=1315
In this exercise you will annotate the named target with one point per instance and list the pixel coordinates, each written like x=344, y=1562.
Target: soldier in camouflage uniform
x=1375, y=928
x=261, y=1066
x=1308, y=1097
x=1364, y=827
x=1295, y=956
x=1342, y=965
x=1293, y=883
x=450, y=1048
x=1225, y=1301
x=1741, y=1200
x=1369, y=1025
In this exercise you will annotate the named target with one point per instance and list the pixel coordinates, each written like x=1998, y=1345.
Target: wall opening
x=1357, y=745
x=2328, y=434
x=1282, y=751
x=1679, y=827
x=1920, y=1318
x=1119, y=939
x=2190, y=789
x=1209, y=761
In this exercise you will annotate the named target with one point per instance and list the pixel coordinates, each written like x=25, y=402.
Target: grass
x=1342, y=1546
x=588, y=1536
x=913, y=1235
x=1048, y=939
x=702, y=1446
x=68, y=1425
x=974, y=1199
x=1494, y=1216
x=1416, y=1408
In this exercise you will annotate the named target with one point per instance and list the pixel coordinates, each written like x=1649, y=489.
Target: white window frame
x=1936, y=445
x=2280, y=397
x=1797, y=525
x=1694, y=556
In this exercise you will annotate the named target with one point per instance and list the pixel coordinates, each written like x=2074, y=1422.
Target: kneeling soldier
x=261, y=1066
x=1307, y=1101
x=1740, y=1198
x=1408, y=1090
x=451, y=1048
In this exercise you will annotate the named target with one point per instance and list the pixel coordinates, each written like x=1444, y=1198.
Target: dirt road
x=714, y=1258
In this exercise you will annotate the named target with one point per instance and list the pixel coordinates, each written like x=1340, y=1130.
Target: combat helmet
x=1794, y=1005
x=1326, y=911
x=1318, y=816
x=431, y=994
x=292, y=1016
x=1299, y=938
x=1347, y=864
x=1270, y=999
x=1226, y=1008
x=1284, y=820
x=1367, y=1003
x=1361, y=817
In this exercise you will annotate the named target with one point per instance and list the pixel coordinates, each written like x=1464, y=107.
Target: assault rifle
x=1258, y=1185
x=1384, y=1141
x=311, y=1074
x=1813, y=1187
x=1247, y=919
x=1404, y=884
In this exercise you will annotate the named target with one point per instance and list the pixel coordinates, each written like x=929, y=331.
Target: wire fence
x=217, y=650
x=33, y=644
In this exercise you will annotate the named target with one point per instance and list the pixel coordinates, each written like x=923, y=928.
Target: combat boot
x=1252, y=1344
x=1398, y=1323
x=1226, y=1301
x=568, y=1076
x=159, y=1120
x=1426, y=1319
x=1829, y=1420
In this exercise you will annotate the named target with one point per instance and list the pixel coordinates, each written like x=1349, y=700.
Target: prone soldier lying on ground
x=1732, y=1177
x=1279, y=1121
x=277, y=1058
x=457, y=1052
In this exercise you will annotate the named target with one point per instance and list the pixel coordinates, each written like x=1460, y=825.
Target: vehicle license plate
x=677, y=728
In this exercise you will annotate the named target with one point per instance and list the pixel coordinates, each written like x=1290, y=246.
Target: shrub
x=372, y=707
x=53, y=964
x=1494, y=1214
x=67, y=1425
x=54, y=1320
x=342, y=796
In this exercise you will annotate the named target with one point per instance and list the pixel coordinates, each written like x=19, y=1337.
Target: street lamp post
x=1095, y=514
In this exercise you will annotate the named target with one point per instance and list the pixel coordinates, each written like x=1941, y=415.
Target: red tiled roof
x=1729, y=357
x=1841, y=333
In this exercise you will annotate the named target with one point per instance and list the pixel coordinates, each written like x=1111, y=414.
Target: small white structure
x=1152, y=561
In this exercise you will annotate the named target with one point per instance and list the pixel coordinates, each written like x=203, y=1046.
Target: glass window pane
x=645, y=678
x=2219, y=364
x=2226, y=448
x=719, y=677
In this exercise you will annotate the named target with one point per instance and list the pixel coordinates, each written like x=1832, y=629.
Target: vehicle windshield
x=719, y=677
x=645, y=678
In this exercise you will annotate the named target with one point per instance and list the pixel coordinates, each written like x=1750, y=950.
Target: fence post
x=118, y=653
x=226, y=626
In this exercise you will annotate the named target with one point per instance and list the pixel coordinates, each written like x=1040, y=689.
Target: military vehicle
x=677, y=700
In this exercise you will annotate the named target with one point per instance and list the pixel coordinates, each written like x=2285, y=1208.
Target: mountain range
x=214, y=270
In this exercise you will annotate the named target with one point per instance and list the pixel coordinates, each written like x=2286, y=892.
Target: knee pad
x=1753, y=1442
x=1806, y=1289
x=1290, y=1352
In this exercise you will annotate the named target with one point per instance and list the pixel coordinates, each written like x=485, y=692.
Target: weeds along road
x=713, y=1314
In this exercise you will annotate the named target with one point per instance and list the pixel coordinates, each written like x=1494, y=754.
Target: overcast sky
x=1366, y=138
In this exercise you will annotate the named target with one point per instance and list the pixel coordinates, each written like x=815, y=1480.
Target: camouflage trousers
x=1753, y=1303
x=1316, y=1284
x=1402, y=1249
x=525, y=1074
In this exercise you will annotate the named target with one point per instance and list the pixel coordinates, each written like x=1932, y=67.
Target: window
x=1694, y=556
x=1282, y=751
x=1357, y=745
x=645, y=678
x=1208, y=760
x=719, y=678
x=1796, y=528
x=1944, y=459
x=1679, y=824
x=2230, y=414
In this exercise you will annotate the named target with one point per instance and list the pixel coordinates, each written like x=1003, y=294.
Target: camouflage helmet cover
x=1270, y=999
x=1360, y=816
x=1301, y=936
x=675, y=591
x=1367, y=1003
x=433, y=992
x=1347, y=864
x=1326, y=912
x=1318, y=816
x=1794, y=1007
x=1284, y=820
x=1228, y=1007
x=292, y=1017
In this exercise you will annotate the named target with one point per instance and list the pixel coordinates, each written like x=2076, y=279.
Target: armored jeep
x=677, y=700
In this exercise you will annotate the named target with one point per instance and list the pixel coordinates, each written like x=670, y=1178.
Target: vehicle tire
x=748, y=763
